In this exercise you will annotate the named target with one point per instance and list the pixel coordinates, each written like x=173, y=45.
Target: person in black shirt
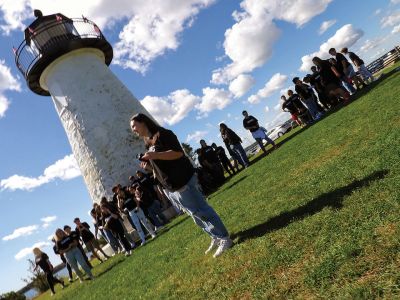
x=67, y=245
x=345, y=70
x=288, y=106
x=259, y=133
x=62, y=257
x=75, y=236
x=153, y=206
x=89, y=239
x=307, y=97
x=359, y=63
x=315, y=79
x=210, y=162
x=42, y=261
x=224, y=160
x=111, y=221
x=233, y=141
x=330, y=79
x=166, y=158
x=295, y=102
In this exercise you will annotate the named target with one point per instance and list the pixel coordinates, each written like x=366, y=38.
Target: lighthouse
x=68, y=60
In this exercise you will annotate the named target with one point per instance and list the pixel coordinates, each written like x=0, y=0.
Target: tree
x=188, y=150
x=12, y=296
x=37, y=279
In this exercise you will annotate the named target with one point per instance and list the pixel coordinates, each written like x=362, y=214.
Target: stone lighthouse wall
x=95, y=109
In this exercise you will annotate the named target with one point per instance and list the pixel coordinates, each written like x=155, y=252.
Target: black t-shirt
x=84, y=232
x=295, y=100
x=129, y=202
x=65, y=242
x=326, y=73
x=208, y=154
x=288, y=105
x=340, y=58
x=174, y=173
x=230, y=137
x=250, y=121
x=220, y=151
x=42, y=262
x=304, y=91
x=356, y=59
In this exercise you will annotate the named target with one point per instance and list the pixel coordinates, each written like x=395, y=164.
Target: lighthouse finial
x=37, y=13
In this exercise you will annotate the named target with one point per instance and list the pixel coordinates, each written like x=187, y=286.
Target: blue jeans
x=155, y=214
x=312, y=107
x=241, y=154
x=347, y=85
x=111, y=239
x=193, y=202
x=74, y=256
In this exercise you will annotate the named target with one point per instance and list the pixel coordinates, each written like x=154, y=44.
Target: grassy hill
x=318, y=218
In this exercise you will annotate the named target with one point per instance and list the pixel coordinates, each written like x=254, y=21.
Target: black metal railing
x=50, y=37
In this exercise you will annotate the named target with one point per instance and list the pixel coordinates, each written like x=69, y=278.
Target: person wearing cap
x=259, y=133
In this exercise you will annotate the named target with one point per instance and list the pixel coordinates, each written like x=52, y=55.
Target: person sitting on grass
x=42, y=261
x=68, y=246
x=89, y=239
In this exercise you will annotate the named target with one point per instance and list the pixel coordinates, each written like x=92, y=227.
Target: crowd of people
x=168, y=177
x=331, y=82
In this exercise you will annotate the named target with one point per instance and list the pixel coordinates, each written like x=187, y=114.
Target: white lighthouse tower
x=68, y=60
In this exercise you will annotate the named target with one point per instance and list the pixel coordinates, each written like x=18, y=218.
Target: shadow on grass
x=332, y=199
x=221, y=190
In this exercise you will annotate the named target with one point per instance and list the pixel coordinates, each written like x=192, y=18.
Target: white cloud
x=48, y=220
x=7, y=83
x=22, y=231
x=395, y=1
x=346, y=36
x=149, y=28
x=27, y=251
x=396, y=29
x=249, y=42
x=241, y=84
x=326, y=25
x=276, y=82
x=213, y=99
x=153, y=28
x=391, y=20
x=378, y=11
x=196, y=136
x=172, y=108
x=64, y=169
x=266, y=109
x=372, y=44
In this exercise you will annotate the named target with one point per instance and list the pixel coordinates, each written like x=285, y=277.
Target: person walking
x=166, y=159
x=68, y=246
x=251, y=123
x=42, y=261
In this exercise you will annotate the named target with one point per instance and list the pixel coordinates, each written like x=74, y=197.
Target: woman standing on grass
x=234, y=142
x=68, y=246
x=42, y=261
x=165, y=157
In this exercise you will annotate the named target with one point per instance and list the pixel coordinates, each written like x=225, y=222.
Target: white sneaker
x=224, y=244
x=142, y=243
x=128, y=253
x=214, y=243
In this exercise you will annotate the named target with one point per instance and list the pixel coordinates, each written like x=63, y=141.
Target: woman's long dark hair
x=150, y=124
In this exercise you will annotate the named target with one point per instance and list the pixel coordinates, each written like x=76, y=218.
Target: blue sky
x=192, y=63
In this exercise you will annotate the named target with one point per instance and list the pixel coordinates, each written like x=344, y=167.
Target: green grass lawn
x=316, y=219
